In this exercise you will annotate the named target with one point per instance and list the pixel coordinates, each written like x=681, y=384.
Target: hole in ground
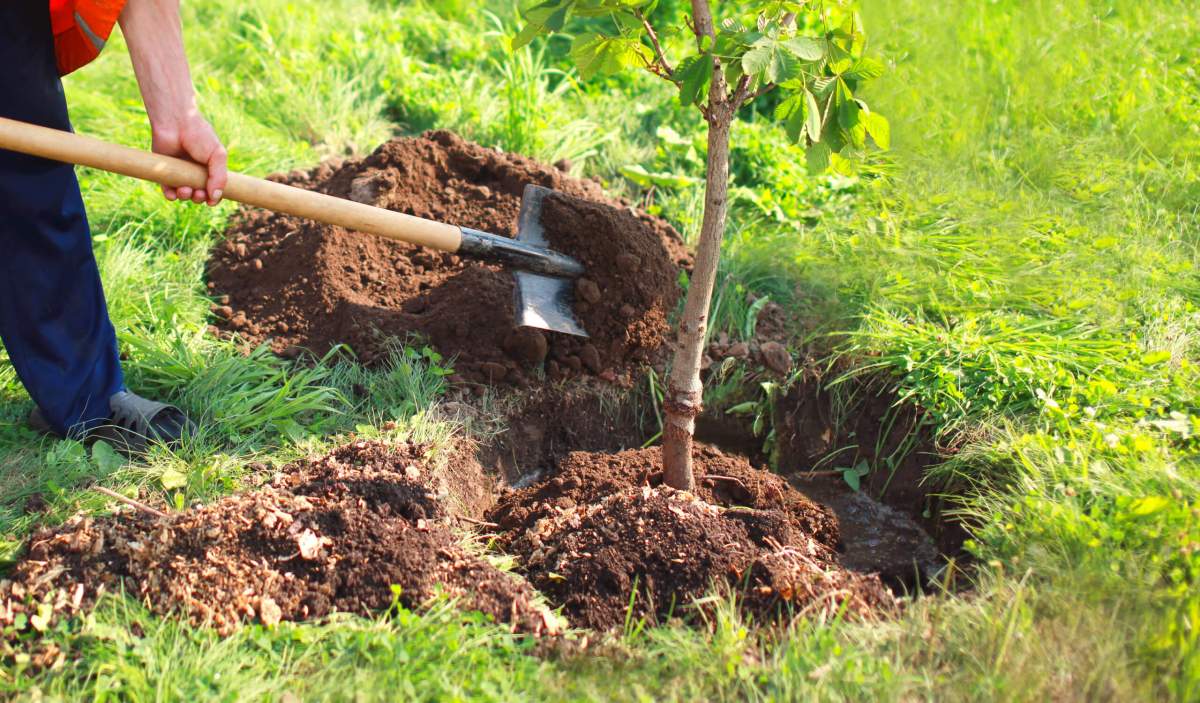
x=894, y=526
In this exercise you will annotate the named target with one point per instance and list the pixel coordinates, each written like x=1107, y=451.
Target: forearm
x=155, y=39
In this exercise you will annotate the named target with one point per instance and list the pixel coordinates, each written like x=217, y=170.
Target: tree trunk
x=684, y=390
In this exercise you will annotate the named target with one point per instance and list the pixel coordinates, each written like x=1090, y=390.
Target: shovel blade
x=544, y=302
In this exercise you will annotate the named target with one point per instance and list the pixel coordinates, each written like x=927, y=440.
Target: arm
x=152, y=31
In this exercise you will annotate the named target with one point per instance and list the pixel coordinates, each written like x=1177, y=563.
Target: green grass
x=1022, y=266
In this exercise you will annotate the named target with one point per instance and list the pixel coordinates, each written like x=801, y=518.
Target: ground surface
x=1017, y=280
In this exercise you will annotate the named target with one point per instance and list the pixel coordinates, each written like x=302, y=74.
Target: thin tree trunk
x=684, y=391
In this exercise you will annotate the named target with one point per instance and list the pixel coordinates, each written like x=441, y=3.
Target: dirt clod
x=587, y=290
x=776, y=357
x=320, y=285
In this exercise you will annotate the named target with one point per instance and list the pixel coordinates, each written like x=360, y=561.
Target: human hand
x=192, y=137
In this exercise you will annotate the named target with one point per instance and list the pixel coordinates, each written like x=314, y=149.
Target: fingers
x=197, y=141
x=218, y=174
x=205, y=148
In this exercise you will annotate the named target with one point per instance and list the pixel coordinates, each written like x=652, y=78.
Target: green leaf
x=817, y=157
x=864, y=69
x=41, y=620
x=646, y=179
x=172, y=479
x=792, y=112
x=812, y=116
x=852, y=479
x=526, y=35
x=879, y=129
x=769, y=61
x=601, y=54
x=695, y=76
x=1155, y=357
x=806, y=48
x=1148, y=506
x=743, y=408
x=107, y=459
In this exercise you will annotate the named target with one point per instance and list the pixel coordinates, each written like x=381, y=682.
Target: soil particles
x=603, y=533
x=300, y=285
x=334, y=533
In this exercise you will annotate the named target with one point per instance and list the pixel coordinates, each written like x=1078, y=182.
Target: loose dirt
x=300, y=285
x=603, y=532
x=334, y=533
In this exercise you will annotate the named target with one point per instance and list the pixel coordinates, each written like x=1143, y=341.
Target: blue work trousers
x=53, y=318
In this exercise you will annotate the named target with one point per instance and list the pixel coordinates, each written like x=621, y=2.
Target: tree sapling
x=811, y=51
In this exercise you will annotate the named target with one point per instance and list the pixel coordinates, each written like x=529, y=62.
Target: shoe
x=133, y=424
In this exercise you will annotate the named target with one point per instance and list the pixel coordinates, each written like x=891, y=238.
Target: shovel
x=543, y=290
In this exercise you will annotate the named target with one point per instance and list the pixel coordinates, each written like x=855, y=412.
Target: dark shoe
x=136, y=422
x=38, y=423
x=133, y=424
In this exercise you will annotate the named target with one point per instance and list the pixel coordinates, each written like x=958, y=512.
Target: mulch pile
x=328, y=534
x=301, y=285
x=604, y=527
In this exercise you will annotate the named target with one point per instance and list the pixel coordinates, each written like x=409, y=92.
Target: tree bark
x=684, y=390
x=685, y=393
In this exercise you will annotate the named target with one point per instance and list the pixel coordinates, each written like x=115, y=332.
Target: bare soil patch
x=300, y=285
x=604, y=533
x=334, y=533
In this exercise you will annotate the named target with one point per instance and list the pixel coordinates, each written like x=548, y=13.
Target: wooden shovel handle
x=169, y=171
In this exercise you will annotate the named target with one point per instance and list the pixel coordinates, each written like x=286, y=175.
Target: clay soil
x=603, y=532
x=303, y=286
x=334, y=533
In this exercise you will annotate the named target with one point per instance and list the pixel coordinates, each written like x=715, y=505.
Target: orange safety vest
x=81, y=27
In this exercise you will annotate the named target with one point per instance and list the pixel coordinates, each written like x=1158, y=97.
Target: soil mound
x=302, y=285
x=630, y=287
x=334, y=533
x=583, y=478
x=602, y=533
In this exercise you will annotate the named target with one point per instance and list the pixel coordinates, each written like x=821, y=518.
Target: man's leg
x=53, y=317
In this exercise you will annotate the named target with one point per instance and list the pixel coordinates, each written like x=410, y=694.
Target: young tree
x=808, y=50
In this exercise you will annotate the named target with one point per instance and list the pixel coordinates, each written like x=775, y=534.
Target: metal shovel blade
x=542, y=301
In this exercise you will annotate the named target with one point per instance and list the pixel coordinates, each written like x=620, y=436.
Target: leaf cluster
x=812, y=52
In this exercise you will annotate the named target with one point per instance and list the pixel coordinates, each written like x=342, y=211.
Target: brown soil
x=328, y=534
x=602, y=526
x=300, y=285
x=631, y=282
x=545, y=424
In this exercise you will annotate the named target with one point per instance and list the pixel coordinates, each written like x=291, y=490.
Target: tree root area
x=606, y=541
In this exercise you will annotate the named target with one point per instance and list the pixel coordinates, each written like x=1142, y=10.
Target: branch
x=702, y=16
x=658, y=51
x=739, y=92
x=129, y=501
x=762, y=90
